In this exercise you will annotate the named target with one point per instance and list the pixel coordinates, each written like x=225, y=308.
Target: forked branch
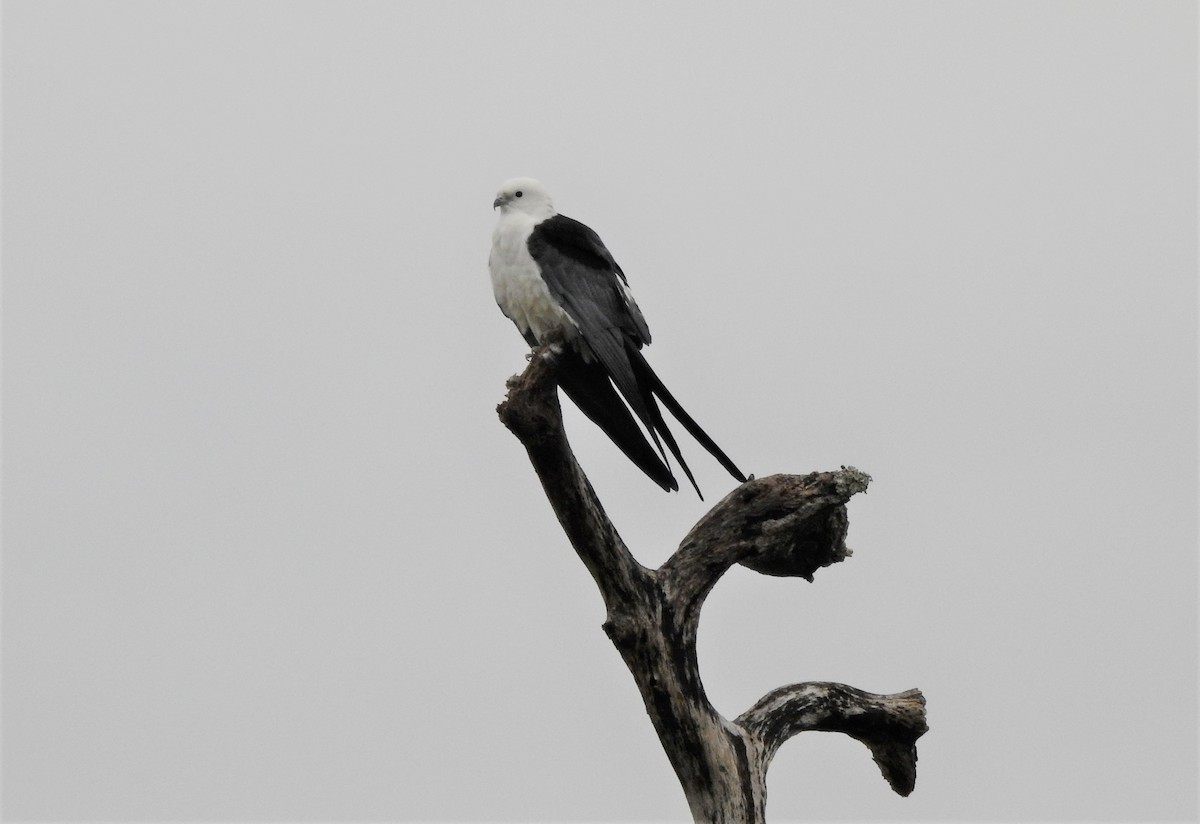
x=780, y=525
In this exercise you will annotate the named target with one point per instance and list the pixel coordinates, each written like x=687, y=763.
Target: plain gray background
x=268, y=554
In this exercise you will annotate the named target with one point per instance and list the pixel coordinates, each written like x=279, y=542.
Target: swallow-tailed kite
x=552, y=274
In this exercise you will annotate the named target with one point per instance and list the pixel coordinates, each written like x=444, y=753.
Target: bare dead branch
x=888, y=724
x=532, y=412
x=790, y=525
x=781, y=525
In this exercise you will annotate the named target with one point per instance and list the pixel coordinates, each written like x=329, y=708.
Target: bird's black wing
x=579, y=269
x=583, y=278
x=586, y=281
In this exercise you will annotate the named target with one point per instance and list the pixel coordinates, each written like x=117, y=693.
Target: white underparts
x=517, y=283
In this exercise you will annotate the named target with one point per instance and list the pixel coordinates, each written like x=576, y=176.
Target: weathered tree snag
x=888, y=724
x=788, y=525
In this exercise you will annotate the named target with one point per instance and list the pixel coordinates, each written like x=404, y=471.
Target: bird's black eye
x=519, y=194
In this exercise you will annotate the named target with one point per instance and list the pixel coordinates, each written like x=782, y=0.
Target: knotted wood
x=788, y=525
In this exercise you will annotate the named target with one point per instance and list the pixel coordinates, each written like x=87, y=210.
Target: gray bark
x=787, y=525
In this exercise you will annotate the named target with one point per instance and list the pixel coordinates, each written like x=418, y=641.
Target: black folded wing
x=587, y=283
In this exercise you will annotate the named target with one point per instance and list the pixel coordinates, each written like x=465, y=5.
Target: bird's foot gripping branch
x=788, y=525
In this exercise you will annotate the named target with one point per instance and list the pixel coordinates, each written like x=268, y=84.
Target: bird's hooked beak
x=500, y=201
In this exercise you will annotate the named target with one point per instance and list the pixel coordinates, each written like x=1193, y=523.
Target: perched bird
x=553, y=275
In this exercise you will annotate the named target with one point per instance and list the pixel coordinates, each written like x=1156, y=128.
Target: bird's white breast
x=517, y=283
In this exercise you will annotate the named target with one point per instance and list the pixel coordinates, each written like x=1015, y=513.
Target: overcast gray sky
x=269, y=555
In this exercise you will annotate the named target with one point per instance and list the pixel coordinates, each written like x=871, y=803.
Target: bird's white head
x=524, y=195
